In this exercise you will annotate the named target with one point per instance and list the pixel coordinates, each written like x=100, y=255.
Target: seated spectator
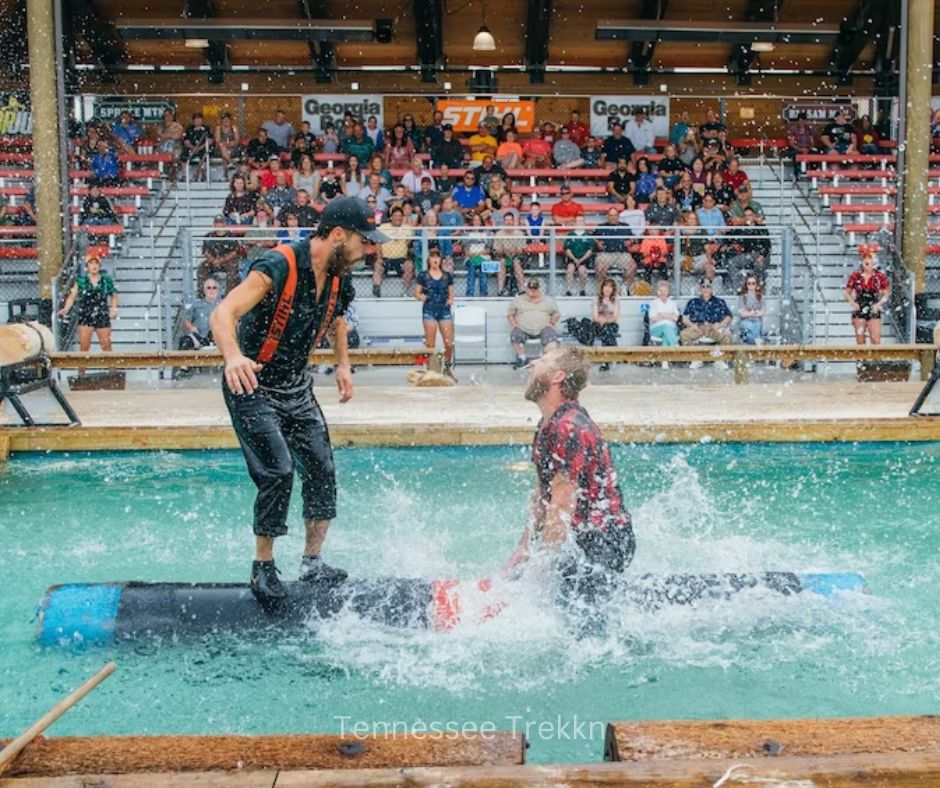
x=735, y=177
x=710, y=129
x=241, y=203
x=306, y=178
x=412, y=180
x=330, y=186
x=413, y=133
x=126, y=132
x=503, y=209
x=481, y=144
x=592, y=155
x=196, y=143
x=434, y=133
x=621, y=181
x=534, y=219
x=435, y=290
x=291, y=231
x=355, y=180
x=867, y=136
x=661, y=212
x=227, y=141
x=722, y=192
x=506, y=124
x=605, y=314
x=537, y=153
x=488, y=170
x=532, y=315
x=689, y=150
x=839, y=136
x=476, y=249
x=749, y=249
x=701, y=178
x=329, y=141
x=654, y=250
x=684, y=197
x=616, y=146
x=751, y=311
x=710, y=216
x=612, y=254
x=490, y=120
x=565, y=210
x=428, y=200
x=220, y=254
x=670, y=167
x=375, y=133
x=664, y=317
x=801, y=138
x=744, y=202
x=258, y=238
x=567, y=155
x=377, y=165
x=89, y=146
x=578, y=133
x=468, y=196
x=306, y=213
x=299, y=150
x=309, y=136
x=698, y=253
x=378, y=191
x=250, y=175
x=171, y=135
x=579, y=248
x=713, y=155
x=196, y=323
x=444, y=181
x=399, y=149
x=280, y=129
x=359, y=144
x=706, y=317
x=449, y=150
x=394, y=256
x=646, y=180
x=281, y=195
x=509, y=153
x=680, y=129
x=547, y=132
x=633, y=217
x=399, y=198
x=261, y=149
x=509, y=249
x=639, y=131
x=96, y=209
x=104, y=165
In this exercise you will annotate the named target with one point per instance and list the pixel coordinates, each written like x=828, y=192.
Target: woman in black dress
x=97, y=301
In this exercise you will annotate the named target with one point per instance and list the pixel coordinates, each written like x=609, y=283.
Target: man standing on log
x=293, y=296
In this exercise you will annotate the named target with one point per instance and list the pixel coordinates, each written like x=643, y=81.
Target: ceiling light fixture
x=484, y=41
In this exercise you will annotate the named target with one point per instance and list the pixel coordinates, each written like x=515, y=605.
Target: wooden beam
x=136, y=754
x=763, y=10
x=100, y=34
x=322, y=53
x=855, y=32
x=217, y=51
x=537, y=37
x=429, y=37
x=641, y=52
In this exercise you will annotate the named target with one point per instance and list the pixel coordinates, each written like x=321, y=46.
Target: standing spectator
x=97, y=299
x=434, y=288
x=227, y=141
x=196, y=143
x=612, y=251
x=509, y=245
x=680, y=129
x=449, y=150
x=839, y=136
x=509, y=153
x=126, y=132
x=104, y=165
x=354, y=180
x=632, y=216
x=261, y=149
x=413, y=132
x=565, y=211
x=706, y=317
x=171, y=136
x=867, y=136
x=621, y=181
x=413, y=179
x=640, y=132
x=567, y=155
x=507, y=124
x=616, y=146
x=751, y=311
x=592, y=155
x=579, y=248
x=605, y=314
x=661, y=212
x=220, y=254
x=434, y=133
x=800, y=137
x=481, y=144
x=537, y=152
x=490, y=120
x=306, y=178
x=359, y=145
x=468, y=196
x=375, y=133
x=280, y=129
x=664, y=317
x=532, y=315
x=196, y=323
x=578, y=133
x=399, y=150
x=867, y=292
x=378, y=191
x=96, y=209
x=241, y=203
x=394, y=256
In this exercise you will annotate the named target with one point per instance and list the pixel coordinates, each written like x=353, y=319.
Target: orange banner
x=467, y=115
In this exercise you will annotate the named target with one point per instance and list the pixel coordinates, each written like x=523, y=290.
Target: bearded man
x=293, y=296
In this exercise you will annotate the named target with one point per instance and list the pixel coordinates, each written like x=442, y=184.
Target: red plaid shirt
x=570, y=443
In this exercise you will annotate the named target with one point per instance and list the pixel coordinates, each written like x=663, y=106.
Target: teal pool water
x=455, y=512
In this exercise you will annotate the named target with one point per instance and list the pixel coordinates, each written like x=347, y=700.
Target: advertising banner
x=817, y=112
x=467, y=115
x=607, y=110
x=109, y=110
x=324, y=108
x=15, y=115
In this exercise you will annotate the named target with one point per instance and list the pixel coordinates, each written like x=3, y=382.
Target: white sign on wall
x=322, y=108
x=607, y=110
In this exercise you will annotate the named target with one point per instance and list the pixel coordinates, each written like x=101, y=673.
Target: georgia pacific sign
x=467, y=115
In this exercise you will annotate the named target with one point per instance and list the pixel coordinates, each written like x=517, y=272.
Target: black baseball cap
x=352, y=214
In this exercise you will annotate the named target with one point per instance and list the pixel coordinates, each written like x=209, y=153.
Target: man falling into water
x=265, y=328
x=577, y=507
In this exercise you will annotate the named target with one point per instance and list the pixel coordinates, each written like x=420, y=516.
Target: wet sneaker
x=519, y=363
x=314, y=569
x=376, y=291
x=266, y=585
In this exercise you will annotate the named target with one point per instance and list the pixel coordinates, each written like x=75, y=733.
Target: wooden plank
x=639, y=741
x=255, y=778
x=125, y=754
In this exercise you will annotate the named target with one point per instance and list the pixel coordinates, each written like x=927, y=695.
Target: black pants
x=281, y=430
x=607, y=333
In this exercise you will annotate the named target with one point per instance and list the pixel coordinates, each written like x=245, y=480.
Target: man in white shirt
x=640, y=132
x=411, y=180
